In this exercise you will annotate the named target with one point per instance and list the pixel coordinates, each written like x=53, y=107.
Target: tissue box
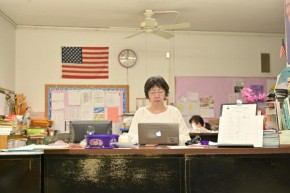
x=97, y=141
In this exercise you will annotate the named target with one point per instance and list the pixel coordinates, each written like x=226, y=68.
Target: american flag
x=85, y=62
x=283, y=49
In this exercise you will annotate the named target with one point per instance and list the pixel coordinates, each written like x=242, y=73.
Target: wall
x=226, y=54
x=7, y=54
x=38, y=58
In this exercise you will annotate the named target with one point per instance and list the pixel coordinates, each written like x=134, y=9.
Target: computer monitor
x=78, y=128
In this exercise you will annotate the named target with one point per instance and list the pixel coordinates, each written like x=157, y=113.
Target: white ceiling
x=253, y=16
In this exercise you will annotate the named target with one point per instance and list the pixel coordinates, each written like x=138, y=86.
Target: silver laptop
x=158, y=133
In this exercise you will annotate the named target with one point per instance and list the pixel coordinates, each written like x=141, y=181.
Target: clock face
x=127, y=58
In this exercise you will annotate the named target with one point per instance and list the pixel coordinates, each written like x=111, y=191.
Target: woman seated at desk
x=156, y=90
x=198, y=125
x=201, y=131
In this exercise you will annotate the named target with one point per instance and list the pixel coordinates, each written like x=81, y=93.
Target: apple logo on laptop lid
x=158, y=133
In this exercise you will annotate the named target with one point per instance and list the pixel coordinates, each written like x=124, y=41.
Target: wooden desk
x=221, y=170
x=110, y=171
x=20, y=173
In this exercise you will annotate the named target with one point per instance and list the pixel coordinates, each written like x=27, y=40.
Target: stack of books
x=6, y=127
x=38, y=130
x=36, y=133
x=284, y=137
x=271, y=138
x=271, y=116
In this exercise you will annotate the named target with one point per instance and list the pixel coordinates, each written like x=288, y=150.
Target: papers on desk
x=33, y=147
x=178, y=147
x=194, y=146
x=23, y=148
x=241, y=130
x=51, y=147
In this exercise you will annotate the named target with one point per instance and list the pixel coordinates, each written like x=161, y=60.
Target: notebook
x=158, y=133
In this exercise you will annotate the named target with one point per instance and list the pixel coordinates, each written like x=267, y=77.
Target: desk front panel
x=20, y=174
x=266, y=173
x=114, y=173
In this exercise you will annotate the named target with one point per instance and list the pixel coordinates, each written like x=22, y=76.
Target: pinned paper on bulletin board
x=189, y=106
x=113, y=114
x=194, y=104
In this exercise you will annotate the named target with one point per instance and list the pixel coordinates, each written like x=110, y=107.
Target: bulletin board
x=204, y=95
x=85, y=102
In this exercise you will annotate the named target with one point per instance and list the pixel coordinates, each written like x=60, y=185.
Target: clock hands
x=127, y=58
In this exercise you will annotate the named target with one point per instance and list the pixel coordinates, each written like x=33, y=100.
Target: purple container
x=204, y=142
x=97, y=141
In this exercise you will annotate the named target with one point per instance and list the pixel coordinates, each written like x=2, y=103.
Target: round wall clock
x=127, y=58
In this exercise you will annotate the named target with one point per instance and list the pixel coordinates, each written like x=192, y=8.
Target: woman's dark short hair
x=156, y=81
x=198, y=119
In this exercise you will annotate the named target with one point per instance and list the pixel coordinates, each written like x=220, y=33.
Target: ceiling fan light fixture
x=149, y=22
x=150, y=25
x=149, y=30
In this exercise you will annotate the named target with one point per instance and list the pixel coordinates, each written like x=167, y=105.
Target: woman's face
x=156, y=95
x=195, y=125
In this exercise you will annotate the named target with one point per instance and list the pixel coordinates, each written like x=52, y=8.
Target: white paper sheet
x=241, y=130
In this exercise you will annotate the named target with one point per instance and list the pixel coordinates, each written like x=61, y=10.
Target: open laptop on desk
x=158, y=133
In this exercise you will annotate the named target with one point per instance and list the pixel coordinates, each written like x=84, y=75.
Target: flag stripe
x=80, y=67
x=95, y=48
x=282, y=52
x=283, y=49
x=85, y=62
x=95, y=53
x=84, y=65
x=87, y=69
x=104, y=57
x=85, y=77
x=83, y=74
x=94, y=62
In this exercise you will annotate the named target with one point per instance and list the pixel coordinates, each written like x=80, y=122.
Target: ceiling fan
x=150, y=25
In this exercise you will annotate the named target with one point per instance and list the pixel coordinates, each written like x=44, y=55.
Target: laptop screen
x=158, y=133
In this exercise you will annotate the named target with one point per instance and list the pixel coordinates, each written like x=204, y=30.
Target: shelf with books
x=270, y=115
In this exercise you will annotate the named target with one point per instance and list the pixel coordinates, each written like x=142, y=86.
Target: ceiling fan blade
x=163, y=34
x=175, y=26
x=123, y=28
x=135, y=34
